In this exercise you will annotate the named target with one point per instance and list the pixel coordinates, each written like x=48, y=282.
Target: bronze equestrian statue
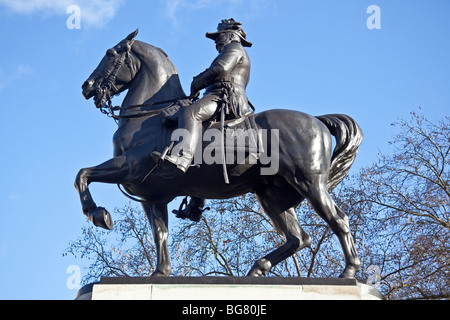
x=307, y=167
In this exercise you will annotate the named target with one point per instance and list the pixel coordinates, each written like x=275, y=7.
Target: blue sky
x=316, y=56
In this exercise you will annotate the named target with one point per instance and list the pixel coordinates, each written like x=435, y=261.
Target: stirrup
x=182, y=163
x=187, y=212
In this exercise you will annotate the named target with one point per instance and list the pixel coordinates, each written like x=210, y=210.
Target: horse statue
x=307, y=166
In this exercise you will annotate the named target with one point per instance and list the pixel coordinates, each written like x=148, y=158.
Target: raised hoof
x=101, y=218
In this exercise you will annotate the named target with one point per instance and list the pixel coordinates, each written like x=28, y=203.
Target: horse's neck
x=139, y=91
x=148, y=88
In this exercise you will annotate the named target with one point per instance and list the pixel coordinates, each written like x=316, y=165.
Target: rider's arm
x=220, y=68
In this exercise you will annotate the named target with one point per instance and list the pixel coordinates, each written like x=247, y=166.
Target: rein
x=146, y=113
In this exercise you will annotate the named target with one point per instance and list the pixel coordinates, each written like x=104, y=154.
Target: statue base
x=227, y=288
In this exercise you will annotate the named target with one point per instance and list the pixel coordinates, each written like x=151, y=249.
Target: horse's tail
x=349, y=137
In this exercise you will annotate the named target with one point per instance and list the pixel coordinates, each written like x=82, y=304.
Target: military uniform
x=225, y=82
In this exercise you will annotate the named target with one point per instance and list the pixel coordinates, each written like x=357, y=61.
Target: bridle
x=108, y=84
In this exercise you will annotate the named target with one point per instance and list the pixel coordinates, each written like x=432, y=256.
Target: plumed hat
x=230, y=25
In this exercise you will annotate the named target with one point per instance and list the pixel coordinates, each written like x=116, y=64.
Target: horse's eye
x=110, y=53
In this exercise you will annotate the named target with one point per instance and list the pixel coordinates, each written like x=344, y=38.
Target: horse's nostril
x=87, y=89
x=86, y=84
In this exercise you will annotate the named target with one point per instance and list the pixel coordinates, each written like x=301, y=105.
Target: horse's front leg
x=112, y=171
x=159, y=220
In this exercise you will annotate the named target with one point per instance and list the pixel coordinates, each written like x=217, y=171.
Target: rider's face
x=222, y=40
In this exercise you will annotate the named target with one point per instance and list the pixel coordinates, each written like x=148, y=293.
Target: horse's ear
x=132, y=35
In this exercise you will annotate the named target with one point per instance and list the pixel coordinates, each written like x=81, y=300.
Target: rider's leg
x=191, y=120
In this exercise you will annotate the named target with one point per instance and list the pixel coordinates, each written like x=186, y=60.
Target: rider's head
x=229, y=31
x=225, y=38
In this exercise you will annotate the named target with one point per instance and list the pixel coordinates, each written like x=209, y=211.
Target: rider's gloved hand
x=194, y=96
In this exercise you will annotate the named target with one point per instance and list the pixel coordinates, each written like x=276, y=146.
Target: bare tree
x=228, y=240
x=128, y=251
x=409, y=197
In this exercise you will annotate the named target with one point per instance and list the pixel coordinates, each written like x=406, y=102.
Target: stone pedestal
x=227, y=288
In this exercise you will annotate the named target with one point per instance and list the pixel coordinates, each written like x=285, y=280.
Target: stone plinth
x=227, y=288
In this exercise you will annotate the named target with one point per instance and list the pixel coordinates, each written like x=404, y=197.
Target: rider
x=225, y=82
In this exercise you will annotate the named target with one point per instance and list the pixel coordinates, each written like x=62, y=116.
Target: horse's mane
x=147, y=51
x=159, y=65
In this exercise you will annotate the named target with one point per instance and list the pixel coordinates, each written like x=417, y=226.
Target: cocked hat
x=230, y=25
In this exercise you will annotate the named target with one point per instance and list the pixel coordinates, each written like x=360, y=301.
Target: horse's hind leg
x=279, y=204
x=324, y=205
x=112, y=171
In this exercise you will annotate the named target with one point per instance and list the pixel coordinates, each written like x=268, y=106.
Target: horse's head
x=114, y=73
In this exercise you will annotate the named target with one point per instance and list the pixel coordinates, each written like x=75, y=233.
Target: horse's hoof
x=349, y=273
x=158, y=273
x=255, y=273
x=351, y=269
x=101, y=218
x=261, y=268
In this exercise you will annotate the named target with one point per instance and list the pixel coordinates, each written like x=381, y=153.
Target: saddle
x=243, y=141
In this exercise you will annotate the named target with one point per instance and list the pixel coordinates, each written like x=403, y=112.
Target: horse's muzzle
x=88, y=90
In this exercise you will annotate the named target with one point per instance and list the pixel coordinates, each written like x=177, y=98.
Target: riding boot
x=183, y=153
